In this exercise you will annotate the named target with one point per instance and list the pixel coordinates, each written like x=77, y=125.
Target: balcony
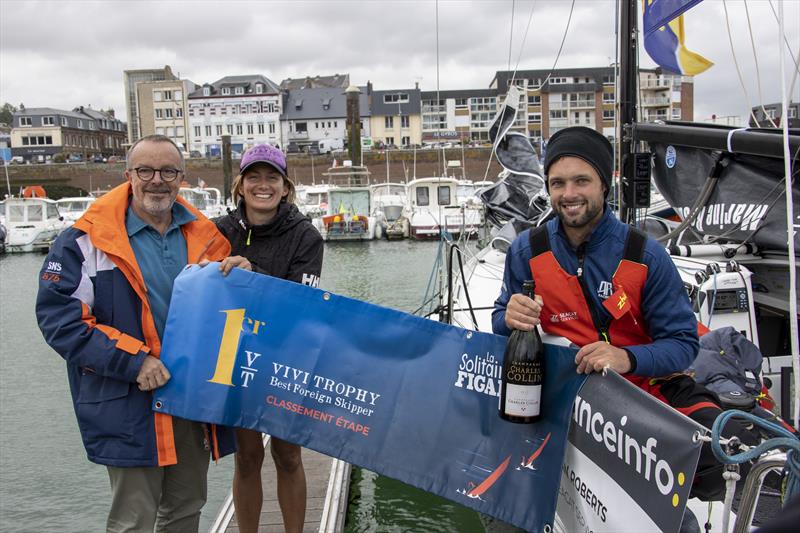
x=298, y=135
x=573, y=104
x=655, y=102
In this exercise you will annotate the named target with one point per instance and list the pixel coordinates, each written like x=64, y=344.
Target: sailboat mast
x=628, y=88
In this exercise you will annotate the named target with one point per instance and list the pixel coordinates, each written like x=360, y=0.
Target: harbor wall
x=303, y=169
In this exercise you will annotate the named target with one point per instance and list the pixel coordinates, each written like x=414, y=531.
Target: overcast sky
x=68, y=53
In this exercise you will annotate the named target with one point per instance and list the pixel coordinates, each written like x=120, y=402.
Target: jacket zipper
x=600, y=325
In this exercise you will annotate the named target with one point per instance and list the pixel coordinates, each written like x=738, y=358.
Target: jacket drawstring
x=249, y=232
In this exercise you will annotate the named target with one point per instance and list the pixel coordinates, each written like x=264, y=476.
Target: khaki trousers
x=168, y=498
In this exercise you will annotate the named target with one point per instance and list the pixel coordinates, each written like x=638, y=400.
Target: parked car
x=195, y=154
x=18, y=160
x=292, y=148
x=98, y=159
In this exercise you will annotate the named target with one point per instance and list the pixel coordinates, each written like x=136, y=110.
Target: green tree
x=7, y=113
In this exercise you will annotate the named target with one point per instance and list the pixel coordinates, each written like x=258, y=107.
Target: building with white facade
x=311, y=115
x=163, y=107
x=131, y=79
x=461, y=115
x=248, y=108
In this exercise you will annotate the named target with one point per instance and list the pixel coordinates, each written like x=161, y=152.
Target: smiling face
x=152, y=200
x=263, y=188
x=577, y=195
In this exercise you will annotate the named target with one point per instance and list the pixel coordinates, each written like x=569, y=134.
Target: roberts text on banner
x=409, y=398
x=629, y=463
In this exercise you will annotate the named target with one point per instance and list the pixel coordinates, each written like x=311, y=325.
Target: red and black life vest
x=568, y=309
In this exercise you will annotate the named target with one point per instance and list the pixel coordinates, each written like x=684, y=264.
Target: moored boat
x=32, y=224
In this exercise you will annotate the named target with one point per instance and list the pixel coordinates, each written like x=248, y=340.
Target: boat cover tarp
x=748, y=202
x=400, y=395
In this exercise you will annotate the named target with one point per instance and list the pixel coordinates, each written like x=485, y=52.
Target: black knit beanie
x=586, y=143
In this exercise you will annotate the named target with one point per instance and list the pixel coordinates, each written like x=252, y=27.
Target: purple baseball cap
x=264, y=153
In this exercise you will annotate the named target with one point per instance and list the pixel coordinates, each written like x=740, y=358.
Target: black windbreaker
x=288, y=246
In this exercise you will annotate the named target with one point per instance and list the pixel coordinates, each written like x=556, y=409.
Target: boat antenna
x=738, y=69
x=438, y=101
x=755, y=60
x=790, y=226
x=789, y=48
x=511, y=34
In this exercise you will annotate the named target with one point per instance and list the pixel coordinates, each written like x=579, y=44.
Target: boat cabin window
x=16, y=213
x=52, y=211
x=35, y=213
x=422, y=196
x=444, y=195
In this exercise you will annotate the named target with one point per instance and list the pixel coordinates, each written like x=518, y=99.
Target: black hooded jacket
x=288, y=246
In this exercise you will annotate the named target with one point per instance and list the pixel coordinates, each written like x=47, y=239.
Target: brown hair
x=236, y=190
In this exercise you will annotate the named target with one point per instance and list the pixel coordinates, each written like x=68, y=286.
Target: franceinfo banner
x=629, y=463
x=410, y=398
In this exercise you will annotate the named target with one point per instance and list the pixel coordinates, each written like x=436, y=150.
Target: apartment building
x=396, y=118
x=587, y=97
x=162, y=107
x=311, y=115
x=341, y=81
x=248, y=108
x=460, y=115
x=769, y=115
x=40, y=133
x=131, y=79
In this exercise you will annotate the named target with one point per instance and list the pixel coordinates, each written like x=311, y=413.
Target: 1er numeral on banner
x=226, y=358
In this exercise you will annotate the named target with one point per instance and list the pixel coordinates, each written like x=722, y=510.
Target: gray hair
x=154, y=139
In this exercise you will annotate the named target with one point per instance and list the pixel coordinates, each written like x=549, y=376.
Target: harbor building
x=341, y=81
x=460, y=115
x=248, y=108
x=162, y=107
x=587, y=97
x=314, y=115
x=131, y=78
x=396, y=119
x=764, y=117
x=39, y=134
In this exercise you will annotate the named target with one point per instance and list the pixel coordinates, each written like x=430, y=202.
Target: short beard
x=592, y=211
x=157, y=207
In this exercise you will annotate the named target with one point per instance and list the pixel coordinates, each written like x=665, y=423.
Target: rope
x=785, y=440
x=736, y=62
x=758, y=71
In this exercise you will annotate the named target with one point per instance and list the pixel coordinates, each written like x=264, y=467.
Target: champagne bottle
x=523, y=373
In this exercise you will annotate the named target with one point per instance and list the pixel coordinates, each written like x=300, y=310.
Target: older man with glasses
x=104, y=293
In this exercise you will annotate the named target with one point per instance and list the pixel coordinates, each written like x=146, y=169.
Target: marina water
x=46, y=482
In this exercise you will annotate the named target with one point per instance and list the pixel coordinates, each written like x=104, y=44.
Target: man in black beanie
x=606, y=287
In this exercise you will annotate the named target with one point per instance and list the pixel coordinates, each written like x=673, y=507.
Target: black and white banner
x=630, y=461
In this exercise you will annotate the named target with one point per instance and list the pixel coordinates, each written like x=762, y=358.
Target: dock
x=327, y=482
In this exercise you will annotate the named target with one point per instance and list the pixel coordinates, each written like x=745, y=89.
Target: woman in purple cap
x=268, y=234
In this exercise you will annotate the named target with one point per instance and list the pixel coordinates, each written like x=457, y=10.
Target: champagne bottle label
x=523, y=400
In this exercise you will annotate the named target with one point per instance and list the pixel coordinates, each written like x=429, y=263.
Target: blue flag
x=658, y=13
x=406, y=397
x=664, y=37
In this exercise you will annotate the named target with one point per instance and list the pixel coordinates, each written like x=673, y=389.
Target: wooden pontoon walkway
x=327, y=482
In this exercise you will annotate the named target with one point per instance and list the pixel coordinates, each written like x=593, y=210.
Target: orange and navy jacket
x=652, y=316
x=92, y=309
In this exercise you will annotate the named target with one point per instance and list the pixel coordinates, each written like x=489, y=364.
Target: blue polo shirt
x=160, y=258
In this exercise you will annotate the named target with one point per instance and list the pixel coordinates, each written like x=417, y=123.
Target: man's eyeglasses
x=147, y=173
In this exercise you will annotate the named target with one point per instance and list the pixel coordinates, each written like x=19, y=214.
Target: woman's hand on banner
x=234, y=261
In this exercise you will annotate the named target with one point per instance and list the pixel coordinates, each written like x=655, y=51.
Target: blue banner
x=406, y=397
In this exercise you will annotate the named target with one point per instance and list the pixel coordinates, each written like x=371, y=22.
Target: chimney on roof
x=369, y=87
x=111, y=112
x=416, y=85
